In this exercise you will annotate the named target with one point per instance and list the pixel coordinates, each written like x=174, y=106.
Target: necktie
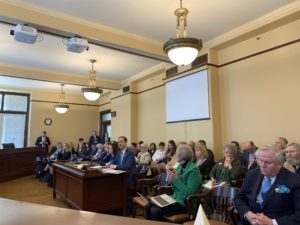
x=265, y=187
x=122, y=156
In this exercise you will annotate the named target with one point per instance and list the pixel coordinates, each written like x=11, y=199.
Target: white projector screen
x=187, y=98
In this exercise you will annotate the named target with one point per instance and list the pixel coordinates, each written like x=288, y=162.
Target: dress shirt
x=158, y=155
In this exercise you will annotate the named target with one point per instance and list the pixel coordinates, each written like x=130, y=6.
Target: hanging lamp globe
x=92, y=93
x=182, y=50
x=61, y=107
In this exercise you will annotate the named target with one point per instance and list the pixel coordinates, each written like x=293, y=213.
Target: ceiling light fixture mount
x=182, y=50
x=61, y=107
x=92, y=93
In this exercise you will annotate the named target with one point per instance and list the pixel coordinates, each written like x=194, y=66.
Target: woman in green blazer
x=186, y=180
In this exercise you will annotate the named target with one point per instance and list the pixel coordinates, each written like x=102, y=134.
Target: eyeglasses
x=259, y=161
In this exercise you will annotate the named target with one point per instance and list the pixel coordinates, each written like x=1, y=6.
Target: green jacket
x=188, y=182
x=221, y=173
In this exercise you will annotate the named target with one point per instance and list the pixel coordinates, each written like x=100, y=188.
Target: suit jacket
x=245, y=159
x=284, y=207
x=128, y=164
x=95, y=140
x=39, y=140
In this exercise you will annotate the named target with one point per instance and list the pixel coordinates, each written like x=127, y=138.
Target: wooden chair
x=148, y=187
x=223, y=199
x=217, y=204
x=141, y=171
x=192, y=203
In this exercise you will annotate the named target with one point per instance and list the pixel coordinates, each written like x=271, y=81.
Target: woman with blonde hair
x=144, y=157
x=202, y=161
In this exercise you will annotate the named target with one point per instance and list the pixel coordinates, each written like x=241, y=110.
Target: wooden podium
x=90, y=189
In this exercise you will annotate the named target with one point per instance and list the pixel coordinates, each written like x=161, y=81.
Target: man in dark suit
x=94, y=139
x=270, y=194
x=43, y=141
x=248, y=156
x=125, y=160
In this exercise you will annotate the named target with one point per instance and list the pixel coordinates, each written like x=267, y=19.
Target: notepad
x=210, y=185
x=112, y=171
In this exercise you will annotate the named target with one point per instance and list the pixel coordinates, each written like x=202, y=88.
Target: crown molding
x=49, y=76
x=272, y=20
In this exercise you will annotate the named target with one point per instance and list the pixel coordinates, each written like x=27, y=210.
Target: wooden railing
x=18, y=162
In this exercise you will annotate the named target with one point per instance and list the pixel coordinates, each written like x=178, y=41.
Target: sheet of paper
x=95, y=167
x=112, y=171
x=209, y=184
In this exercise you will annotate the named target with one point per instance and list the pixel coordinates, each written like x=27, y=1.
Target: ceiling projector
x=24, y=34
x=76, y=44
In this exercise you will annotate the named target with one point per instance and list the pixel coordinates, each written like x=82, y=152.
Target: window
x=14, y=109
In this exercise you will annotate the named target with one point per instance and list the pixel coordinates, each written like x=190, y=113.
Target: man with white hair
x=292, y=154
x=270, y=194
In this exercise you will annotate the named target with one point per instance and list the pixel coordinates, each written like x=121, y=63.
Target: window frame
x=2, y=111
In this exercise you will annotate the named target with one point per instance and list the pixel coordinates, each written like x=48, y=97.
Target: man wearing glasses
x=270, y=194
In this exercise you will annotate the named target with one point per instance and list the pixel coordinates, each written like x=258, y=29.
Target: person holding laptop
x=186, y=180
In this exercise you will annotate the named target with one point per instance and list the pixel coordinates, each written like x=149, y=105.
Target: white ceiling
x=153, y=19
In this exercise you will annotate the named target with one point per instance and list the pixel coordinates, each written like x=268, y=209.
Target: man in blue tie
x=125, y=160
x=270, y=194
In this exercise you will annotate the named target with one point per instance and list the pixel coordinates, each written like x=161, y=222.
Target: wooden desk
x=90, y=190
x=21, y=213
x=18, y=162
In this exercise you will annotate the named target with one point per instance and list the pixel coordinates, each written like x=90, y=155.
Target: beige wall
x=255, y=98
x=259, y=96
x=79, y=121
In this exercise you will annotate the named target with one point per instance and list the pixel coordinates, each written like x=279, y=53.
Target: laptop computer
x=162, y=200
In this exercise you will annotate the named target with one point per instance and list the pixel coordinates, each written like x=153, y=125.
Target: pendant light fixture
x=61, y=107
x=182, y=50
x=92, y=93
